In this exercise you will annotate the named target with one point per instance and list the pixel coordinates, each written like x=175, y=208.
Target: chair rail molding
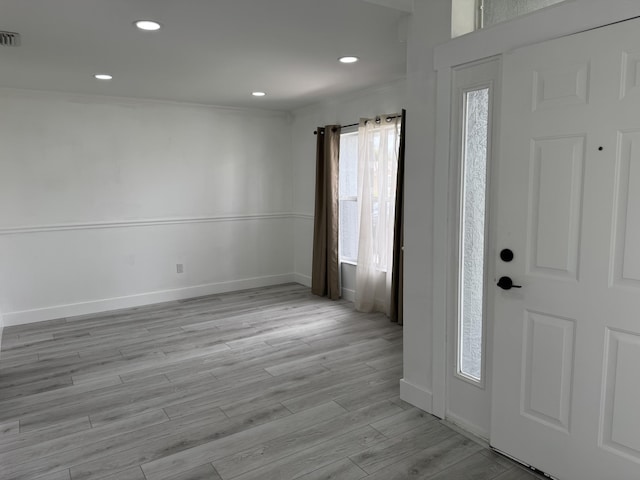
x=144, y=223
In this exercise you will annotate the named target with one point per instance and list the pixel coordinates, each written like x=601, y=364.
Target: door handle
x=506, y=283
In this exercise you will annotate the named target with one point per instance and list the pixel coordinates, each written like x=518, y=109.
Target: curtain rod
x=377, y=119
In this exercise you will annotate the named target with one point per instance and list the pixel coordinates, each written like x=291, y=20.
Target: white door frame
x=562, y=19
x=472, y=410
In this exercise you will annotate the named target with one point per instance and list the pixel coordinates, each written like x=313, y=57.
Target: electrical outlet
x=179, y=268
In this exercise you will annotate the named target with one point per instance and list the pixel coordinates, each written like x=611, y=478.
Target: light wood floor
x=267, y=384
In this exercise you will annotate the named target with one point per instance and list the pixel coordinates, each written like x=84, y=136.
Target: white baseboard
x=302, y=279
x=416, y=396
x=349, y=294
x=103, y=305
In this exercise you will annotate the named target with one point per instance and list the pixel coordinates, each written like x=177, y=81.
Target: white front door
x=566, y=383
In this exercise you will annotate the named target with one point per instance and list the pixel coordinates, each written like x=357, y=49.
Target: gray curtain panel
x=395, y=308
x=325, y=278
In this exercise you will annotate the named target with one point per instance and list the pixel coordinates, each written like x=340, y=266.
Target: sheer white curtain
x=377, y=170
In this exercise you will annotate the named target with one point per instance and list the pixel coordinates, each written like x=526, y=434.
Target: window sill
x=349, y=262
x=355, y=264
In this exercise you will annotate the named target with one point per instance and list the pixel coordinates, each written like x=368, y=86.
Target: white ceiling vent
x=9, y=39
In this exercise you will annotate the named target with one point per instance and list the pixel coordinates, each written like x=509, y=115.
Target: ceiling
x=213, y=52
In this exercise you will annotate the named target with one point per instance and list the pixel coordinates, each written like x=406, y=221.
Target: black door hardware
x=506, y=255
x=506, y=283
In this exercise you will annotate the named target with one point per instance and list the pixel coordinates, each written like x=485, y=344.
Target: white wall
x=430, y=26
x=344, y=111
x=100, y=198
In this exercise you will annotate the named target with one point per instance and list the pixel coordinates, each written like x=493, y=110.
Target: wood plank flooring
x=269, y=384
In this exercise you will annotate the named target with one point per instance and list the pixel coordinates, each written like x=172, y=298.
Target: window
x=368, y=164
x=472, y=233
x=496, y=11
x=380, y=140
x=348, y=194
x=382, y=145
x=470, y=15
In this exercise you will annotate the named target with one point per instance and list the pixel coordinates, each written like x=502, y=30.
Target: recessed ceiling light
x=348, y=59
x=148, y=25
x=103, y=76
x=258, y=94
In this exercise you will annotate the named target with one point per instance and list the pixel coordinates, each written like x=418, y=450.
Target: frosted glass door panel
x=474, y=193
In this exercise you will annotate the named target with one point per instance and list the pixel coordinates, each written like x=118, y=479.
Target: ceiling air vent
x=9, y=39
